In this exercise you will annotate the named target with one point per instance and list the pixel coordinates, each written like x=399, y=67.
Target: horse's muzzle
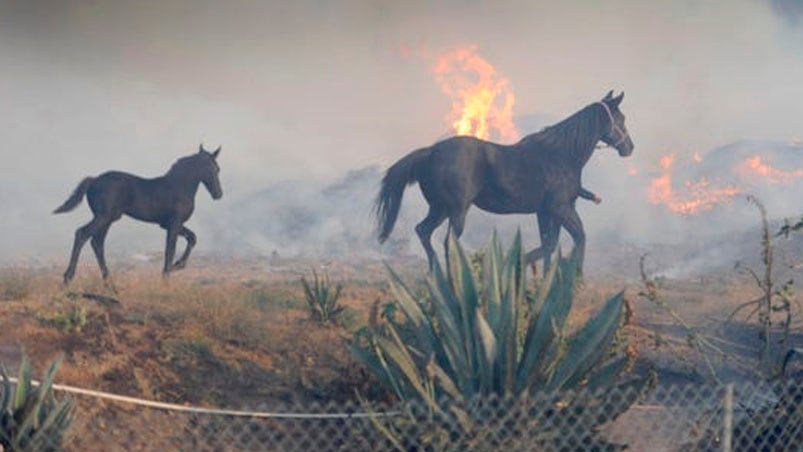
x=626, y=148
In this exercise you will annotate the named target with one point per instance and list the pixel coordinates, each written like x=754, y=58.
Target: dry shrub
x=16, y=284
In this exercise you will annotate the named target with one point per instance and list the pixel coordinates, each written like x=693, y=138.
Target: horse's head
x=209, y=171
x=616, y=136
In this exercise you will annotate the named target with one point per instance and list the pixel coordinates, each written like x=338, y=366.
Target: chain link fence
x=742, y=417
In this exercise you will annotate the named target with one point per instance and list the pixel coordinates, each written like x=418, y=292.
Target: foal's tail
x=76, y=197
x=398, y=176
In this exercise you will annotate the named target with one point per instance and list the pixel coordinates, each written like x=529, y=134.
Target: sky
x=308, y=90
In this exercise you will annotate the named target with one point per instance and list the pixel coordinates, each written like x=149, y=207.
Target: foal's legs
x=170, y=248
x=191, y=240
x=425, y=228
x=83, y=234
x=97, y=241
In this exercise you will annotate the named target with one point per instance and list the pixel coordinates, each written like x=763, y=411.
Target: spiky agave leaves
x=322, y=298
x=465, y=337
x=477, y=335
x=31, y=418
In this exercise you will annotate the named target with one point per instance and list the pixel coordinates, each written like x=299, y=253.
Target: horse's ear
x=201, y=148
x=608, y=96
x=618, y=99
x=217, y=151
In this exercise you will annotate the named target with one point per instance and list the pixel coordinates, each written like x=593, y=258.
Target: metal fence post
x=727, y=423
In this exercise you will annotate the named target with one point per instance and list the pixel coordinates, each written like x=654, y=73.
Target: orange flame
x=699, y=196
x=482, y=100
x=754, y=166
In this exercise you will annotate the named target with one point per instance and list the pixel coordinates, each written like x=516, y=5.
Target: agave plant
x=477, y=336
x=31, y=418
x=322, y=298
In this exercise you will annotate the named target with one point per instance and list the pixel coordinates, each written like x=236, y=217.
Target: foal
x=168, y=201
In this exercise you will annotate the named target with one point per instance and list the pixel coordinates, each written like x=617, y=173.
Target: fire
x=699, y=196
x=755, y=166
x=482, y=100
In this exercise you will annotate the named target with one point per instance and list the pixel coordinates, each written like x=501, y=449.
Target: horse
x=540, y=174
x=168, y=201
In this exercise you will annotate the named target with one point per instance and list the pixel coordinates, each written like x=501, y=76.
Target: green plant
x=321, y=298
x=476, y=337
x=70, y=320
x=31, y=418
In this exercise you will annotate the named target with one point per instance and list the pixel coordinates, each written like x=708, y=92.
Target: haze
x=307, y=91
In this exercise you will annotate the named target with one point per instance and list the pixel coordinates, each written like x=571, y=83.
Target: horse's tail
x=76, y=197
x=398, y=176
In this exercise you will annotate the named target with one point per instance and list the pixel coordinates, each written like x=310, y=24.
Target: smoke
x=303, y=93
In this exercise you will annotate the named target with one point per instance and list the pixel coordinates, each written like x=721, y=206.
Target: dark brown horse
x=540, y=174
x=167, y=201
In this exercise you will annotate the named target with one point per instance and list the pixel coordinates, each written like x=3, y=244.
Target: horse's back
x=456, y=169
x=461, y=154
x=115, y=190
x=115, y=181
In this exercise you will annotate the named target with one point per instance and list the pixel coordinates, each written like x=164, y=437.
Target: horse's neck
x=582, y=156
x=185, y=182
x=584, y=149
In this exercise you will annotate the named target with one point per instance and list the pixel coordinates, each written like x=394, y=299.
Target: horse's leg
x=97, y=241
x=424, y=230
x=191, y=241
x=98, y=246
x=570, y=220
x=548, y=229
x=170, y=248
x=550, y=239
x=82, y=234
x=457, y=222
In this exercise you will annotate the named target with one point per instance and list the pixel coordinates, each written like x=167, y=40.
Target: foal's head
x=207, y=170
x=617, y=136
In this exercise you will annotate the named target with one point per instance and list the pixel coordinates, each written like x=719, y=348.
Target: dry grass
x=226, y=332
x=204, y=336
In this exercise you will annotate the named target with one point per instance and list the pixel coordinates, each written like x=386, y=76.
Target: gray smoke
x=304, y=93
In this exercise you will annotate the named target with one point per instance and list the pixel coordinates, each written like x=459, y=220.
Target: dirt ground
x=236, y=333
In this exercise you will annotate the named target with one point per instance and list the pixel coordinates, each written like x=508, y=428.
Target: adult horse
x=167, y=201
x=540, y=174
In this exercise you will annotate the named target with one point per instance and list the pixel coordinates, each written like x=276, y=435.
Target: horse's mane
x=182, y=163
x=574, y=133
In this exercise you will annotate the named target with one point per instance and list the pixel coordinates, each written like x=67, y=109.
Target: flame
x=482, y=100
x=755, y=166
x=699, y=196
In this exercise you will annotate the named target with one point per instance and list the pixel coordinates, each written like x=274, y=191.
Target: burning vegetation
x=756, y=167
x=698, y=195
x=482, y=99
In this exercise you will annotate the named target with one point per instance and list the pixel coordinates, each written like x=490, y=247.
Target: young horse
x=167, y=200
x=540, y=174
